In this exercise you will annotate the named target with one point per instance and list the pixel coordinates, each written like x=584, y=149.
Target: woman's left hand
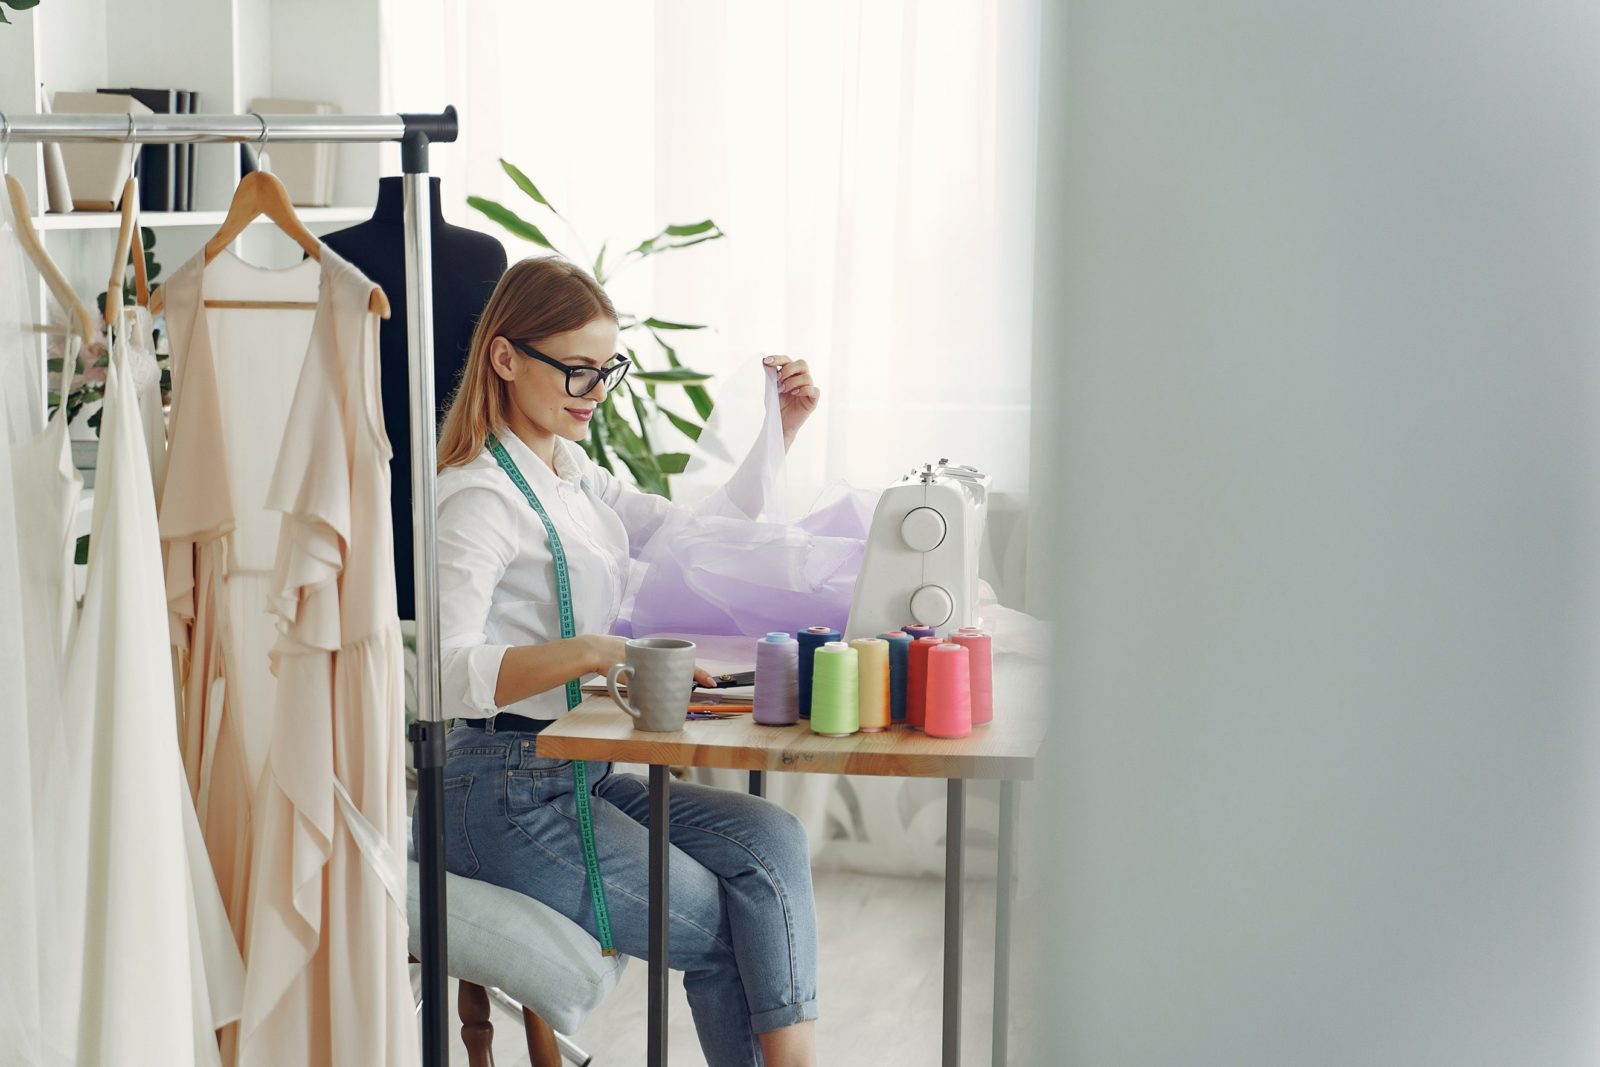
x=797, y=395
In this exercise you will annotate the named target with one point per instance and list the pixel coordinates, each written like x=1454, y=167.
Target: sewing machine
x=921, y=563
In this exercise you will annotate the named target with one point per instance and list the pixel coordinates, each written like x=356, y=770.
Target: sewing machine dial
x=933, y=605
x=923, y=529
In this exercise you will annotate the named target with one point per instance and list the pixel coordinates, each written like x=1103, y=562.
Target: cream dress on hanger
x=312, y=716
x=20, y=420
x=161, y=971
x=46, y=488
x=233, y=377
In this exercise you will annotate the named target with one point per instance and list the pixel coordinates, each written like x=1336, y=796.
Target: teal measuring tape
x=580, y=770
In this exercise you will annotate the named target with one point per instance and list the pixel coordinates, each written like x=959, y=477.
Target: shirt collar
x=536, y=470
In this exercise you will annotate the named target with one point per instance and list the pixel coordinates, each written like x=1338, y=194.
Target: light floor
x=880, y=984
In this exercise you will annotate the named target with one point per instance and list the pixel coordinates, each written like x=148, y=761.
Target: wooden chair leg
x=542, y=1048
x=477, y=1032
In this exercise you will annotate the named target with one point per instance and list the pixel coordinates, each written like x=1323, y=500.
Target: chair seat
x=539, y=957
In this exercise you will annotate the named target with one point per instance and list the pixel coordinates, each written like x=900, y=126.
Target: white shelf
x=110, y=220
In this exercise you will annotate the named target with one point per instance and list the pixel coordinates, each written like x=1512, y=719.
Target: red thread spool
x=917, y=681
x=980, y=663
x=949, y=710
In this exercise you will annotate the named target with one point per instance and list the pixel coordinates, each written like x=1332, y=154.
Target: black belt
x=507, y=721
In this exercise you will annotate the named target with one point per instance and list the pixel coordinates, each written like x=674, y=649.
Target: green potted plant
x=627, y=423
x=15, y=5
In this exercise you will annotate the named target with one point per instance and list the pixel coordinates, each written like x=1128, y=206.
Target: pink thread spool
x=917, y=681
x=949, y=711
x=980, y=663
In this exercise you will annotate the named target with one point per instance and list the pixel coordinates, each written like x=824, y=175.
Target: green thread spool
x=835, y=691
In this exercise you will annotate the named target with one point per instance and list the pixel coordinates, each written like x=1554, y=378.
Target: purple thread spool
x=916, y=630
x=777, y=701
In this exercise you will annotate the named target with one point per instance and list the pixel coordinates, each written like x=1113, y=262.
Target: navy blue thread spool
x=899, y=658
x=811, y=639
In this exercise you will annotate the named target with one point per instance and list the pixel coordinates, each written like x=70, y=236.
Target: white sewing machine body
x=921, y=562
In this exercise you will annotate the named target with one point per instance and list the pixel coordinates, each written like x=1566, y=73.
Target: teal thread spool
x=835, y=690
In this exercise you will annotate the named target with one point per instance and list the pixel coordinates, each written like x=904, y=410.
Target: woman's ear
x=503, y=359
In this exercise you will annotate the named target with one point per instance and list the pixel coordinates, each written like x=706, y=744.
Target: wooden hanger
x=22, y=216
x=260, y=193
x=119, y=256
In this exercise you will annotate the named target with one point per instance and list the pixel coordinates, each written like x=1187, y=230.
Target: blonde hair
x=536, y=299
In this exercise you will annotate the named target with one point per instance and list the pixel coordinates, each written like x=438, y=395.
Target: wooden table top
x=598, y=730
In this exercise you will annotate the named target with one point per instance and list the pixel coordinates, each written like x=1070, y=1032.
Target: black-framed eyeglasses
x=581, y=378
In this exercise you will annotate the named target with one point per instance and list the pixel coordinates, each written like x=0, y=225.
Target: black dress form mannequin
x=466, y=266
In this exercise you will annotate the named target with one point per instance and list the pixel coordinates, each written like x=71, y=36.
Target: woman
x=743, y=922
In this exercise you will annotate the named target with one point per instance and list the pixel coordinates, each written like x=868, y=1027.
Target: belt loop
x=488, y=725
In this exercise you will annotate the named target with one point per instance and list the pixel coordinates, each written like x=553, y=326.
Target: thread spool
x=810, y=639
x=899, y=650
x=777, y=700
x=916, y=630
x=872, y=667
x=949, y=711
x=835, y=691
x=917, y=681
x=980, y=662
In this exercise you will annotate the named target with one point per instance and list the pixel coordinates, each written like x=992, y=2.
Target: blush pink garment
x=328, y=982
x=280, y=588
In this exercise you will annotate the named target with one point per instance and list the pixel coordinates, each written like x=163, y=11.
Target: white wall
x=1327, y=439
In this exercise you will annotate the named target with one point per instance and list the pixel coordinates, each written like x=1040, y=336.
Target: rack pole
x=427, y=733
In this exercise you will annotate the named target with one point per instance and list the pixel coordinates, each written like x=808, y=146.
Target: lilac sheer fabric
x=713, y=568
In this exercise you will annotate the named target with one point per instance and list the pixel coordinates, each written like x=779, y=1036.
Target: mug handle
x=612, y=677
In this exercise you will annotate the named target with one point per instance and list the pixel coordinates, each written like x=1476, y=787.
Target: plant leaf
x=719, y=235
x=526, y=184
x=513, y=222
x=630, y=448
x=677, y=376
x=599, y=265
x=673, y=462
x=691, y=430
x=672, y=238
x=693, y=229
x=595, y=444
x=663, y=324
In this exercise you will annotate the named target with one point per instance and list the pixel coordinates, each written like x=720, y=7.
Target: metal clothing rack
x=414, y=132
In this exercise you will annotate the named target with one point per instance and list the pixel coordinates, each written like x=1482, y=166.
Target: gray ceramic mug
x=660, y=680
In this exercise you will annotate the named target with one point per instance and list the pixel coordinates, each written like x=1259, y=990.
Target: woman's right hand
x=604, y=650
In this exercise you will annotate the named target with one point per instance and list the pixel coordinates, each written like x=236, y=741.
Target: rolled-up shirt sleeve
x=477, y=542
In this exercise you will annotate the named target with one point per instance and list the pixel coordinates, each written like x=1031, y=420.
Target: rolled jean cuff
x=788, y=1015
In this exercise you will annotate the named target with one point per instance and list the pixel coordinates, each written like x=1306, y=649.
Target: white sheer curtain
x=872, y=164
x=870, y=161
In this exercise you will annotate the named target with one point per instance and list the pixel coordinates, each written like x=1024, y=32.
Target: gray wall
x=1320, y=304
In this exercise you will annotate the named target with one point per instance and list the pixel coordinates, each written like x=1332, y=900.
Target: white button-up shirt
x=497, y=579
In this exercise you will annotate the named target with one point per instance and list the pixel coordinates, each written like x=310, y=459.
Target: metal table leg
x=659, y=840
x=758, y=783
x=955, y=841
x=1004, y=893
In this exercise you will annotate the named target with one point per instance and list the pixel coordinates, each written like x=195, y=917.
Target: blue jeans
x=742, y=924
